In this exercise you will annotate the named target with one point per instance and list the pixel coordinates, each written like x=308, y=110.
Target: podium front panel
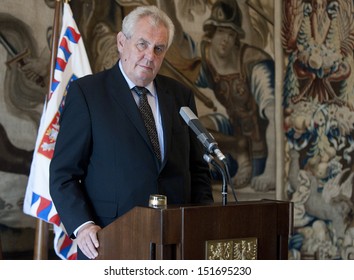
x=238, y=231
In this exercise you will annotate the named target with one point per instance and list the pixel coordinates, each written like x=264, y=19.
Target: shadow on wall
x=18, y=244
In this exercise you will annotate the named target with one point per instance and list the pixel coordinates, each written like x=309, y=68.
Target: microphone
x=203, y=135
x=210, y=159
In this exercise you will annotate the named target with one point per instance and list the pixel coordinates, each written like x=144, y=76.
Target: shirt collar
x=150, y=86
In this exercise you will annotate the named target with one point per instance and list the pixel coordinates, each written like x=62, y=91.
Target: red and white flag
x=71, y=63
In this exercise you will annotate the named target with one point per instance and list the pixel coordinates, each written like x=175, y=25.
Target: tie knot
x=140, y=90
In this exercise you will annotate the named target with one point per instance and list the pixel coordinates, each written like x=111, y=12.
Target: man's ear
x=120, y=40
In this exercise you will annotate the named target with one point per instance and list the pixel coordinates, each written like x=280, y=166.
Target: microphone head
x=187, y=114
x=202, y=133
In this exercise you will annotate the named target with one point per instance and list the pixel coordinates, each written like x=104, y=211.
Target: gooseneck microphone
x=211, y=146
x=203, y=135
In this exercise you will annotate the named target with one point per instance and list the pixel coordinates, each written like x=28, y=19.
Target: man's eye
x=159, y=50
x=141, y=46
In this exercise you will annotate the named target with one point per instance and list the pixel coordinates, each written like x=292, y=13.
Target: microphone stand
x=229, y=179
x=210, y=159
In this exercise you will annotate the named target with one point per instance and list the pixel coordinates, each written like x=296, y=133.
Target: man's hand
x=87, y=240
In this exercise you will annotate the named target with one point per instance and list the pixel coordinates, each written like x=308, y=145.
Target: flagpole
x=0, y=249
x=42, y=227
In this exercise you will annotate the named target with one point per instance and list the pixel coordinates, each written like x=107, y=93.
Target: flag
x=71, y=63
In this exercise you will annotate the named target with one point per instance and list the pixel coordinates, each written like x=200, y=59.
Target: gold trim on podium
x=231, y=249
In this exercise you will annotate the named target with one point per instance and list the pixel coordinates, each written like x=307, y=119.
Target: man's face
x=223, y=41
x=143, y=53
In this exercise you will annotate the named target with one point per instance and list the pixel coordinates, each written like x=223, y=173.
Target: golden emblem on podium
x=232, y=249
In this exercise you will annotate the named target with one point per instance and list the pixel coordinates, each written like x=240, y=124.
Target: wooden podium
x=246, y=230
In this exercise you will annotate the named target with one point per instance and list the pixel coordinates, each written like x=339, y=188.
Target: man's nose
x=149, y=54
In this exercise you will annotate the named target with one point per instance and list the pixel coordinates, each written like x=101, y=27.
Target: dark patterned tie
x=148, y=117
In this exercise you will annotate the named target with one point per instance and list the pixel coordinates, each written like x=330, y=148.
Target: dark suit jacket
x=104, y=165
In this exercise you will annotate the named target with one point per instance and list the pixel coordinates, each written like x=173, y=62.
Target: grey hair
x=157, y=17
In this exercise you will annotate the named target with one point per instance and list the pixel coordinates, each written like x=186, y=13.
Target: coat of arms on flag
x=71, y=63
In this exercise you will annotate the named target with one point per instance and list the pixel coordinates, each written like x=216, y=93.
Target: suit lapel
x=166, y=107
x=120, y=92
